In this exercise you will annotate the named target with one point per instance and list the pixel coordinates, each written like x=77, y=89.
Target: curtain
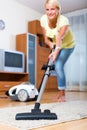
x=76, y=66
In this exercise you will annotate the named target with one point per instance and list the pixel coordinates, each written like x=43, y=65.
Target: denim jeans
x=59, y=67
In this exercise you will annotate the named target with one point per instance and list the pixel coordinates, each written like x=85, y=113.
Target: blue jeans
x=59, y=67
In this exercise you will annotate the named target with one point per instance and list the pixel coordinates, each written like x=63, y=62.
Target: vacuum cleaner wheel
x=22, y=95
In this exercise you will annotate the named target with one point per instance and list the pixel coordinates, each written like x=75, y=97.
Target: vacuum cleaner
x=36, y=113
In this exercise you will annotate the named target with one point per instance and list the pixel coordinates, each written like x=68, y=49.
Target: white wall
x=16, y=17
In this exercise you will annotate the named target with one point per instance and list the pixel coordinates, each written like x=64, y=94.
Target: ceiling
x=66, y=5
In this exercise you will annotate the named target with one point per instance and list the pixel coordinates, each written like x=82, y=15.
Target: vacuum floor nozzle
x=36, y=114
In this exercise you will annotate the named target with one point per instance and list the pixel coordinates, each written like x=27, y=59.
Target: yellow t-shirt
x=68, y=40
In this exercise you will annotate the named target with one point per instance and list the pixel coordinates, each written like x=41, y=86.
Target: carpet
x=66, y=111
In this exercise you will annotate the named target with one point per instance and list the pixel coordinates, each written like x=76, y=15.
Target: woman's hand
x=54, y=55
x=51, y=45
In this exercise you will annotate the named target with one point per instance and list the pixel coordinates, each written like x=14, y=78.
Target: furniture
x=39, y=56
x=26, y=44
x=9, y=79
x=34, y=27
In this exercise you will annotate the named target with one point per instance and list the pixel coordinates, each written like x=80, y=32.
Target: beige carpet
x=66, y=111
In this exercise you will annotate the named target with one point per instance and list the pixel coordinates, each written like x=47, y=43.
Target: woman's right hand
x=51, y=45
x=54, y=55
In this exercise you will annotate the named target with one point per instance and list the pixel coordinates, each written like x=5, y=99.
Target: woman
x=56, y=30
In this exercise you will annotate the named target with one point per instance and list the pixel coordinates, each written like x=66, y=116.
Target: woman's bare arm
x=61, y=35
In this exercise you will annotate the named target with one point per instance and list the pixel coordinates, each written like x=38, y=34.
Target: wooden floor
x=47, y=98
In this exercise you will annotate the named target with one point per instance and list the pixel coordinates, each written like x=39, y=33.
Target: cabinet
x=27, y=44
x=9, y=79
x=36, y=55
x=34, y=27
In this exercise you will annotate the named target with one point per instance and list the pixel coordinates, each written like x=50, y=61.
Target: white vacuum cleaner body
x=23, y=92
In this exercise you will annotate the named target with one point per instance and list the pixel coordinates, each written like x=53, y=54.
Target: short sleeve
x=42, y=21
x=62, y=22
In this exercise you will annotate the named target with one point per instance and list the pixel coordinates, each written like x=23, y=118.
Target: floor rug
x=66, y=111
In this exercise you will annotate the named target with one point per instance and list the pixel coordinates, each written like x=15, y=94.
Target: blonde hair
x=54, y=2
